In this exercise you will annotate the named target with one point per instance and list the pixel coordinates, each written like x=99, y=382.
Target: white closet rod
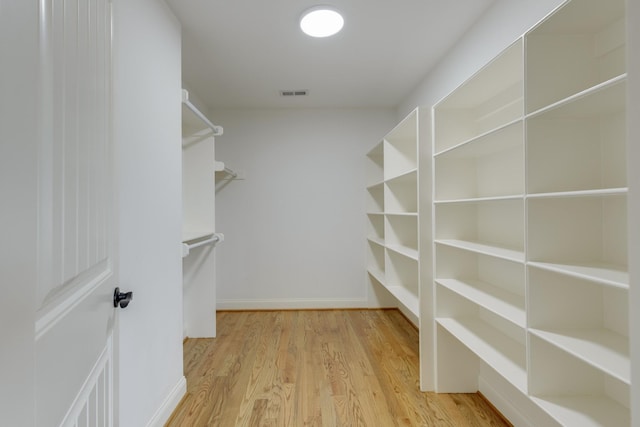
x=217, y=130
x=213, y=239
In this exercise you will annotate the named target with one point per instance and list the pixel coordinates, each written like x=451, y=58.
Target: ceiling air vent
x=293, y=93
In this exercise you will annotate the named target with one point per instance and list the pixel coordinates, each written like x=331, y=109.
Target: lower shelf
x=403, y=295
x=406, y=298
x=497, y=350
x=605, y=350
x=584, y=411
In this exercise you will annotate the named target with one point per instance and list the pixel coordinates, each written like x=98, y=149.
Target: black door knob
x=121, y=299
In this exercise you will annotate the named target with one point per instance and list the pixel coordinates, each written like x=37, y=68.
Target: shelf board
x=584, y=411
x=404, y=250
x=404, y=176
x=495, y=251
x=505, y=304
x=622, y=191
x=375, y=186
x=476, y=138
x=606, y=274
x=595, y=106
x=405, y=297
x=192, y=236
x=401, y=213
x=496, y=349
x=601, y=348
x=375, y=213
x=377, y=240
x=481, y=199
x=377, y=274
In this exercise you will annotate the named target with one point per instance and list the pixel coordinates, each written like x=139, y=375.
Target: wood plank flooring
x=316, y=368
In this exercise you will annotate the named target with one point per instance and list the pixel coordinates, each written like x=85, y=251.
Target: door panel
x=77, y=263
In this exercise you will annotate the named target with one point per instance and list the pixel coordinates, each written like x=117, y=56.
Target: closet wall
x=293, y=227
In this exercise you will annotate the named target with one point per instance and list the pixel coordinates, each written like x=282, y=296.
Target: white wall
x=147, y=111
x=18, y=214
x=295, y=226
x=499, y=27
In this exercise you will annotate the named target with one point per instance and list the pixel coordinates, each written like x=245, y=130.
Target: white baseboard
x=513, y=404
x=292, y=304
x=169, y=404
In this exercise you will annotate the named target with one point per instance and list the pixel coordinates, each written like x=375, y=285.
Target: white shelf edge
x=602, y=349
x=402, y=175
x=584, y=411
x=495, y=251
x=375, y=213
x=377, y=274
x=405, y=297
x=480, y=199
x=377, y=184
x=191, y=236
x=401, y=214
x=404, y=251
x=598, y=273
x=593, y=89
x=490, y=297
x=506, y=356
x=620, y=191
x=377, y=240
x=475, y=138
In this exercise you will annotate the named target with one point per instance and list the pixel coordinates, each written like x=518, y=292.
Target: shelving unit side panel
x=457, y=367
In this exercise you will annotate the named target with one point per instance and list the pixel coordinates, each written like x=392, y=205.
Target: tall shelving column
x=392, y=214
x=578, y=282
x=479, y=228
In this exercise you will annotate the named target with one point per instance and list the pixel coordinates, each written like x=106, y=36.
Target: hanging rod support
x=217, y=130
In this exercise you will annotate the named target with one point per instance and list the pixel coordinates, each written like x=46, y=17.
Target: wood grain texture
x=316, y=368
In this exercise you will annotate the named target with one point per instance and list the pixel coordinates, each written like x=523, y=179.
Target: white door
x=77, y=271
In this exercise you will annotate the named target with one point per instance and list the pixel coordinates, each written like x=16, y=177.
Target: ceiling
x=241, y=53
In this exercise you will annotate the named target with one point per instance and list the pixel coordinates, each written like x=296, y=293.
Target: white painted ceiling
x=241, y=53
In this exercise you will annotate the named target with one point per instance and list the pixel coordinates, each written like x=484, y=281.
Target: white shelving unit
x=530, y=227
x=198, y=230
x=392, y=215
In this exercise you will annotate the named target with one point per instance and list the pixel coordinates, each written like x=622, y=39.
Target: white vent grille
x=299, y=92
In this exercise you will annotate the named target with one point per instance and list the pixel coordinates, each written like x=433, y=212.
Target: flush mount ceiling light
x=321, y=21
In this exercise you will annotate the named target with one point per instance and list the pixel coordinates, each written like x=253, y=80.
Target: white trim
x=169, y=404
x=57, y=308
x=102, y=365
x=292, y=304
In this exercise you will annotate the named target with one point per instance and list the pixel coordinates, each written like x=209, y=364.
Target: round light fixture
x=321, y=21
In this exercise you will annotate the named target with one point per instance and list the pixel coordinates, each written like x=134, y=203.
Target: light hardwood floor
x=316, y=368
